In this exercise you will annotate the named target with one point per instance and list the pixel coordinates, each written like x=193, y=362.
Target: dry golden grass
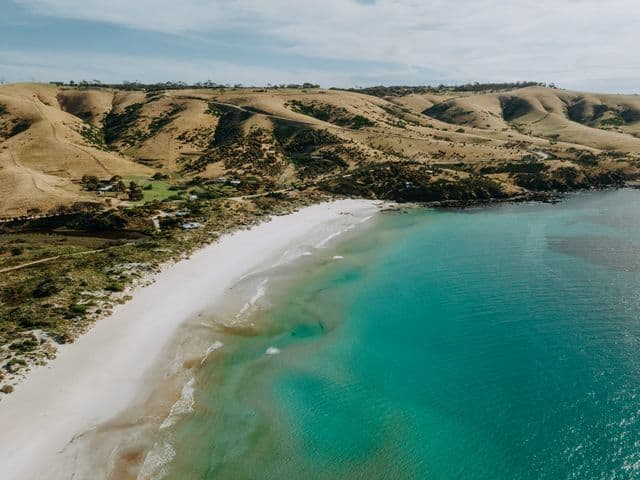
x=40, y=166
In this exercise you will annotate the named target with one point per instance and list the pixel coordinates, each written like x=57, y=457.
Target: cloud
x=567, y=41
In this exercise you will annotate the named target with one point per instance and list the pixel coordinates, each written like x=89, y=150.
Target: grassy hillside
x=50, y=137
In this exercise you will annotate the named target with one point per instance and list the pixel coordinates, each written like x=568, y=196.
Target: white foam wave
x=334, y=235
x=156, y=461
x=272, y=351
x=337, y=257
x=212, y=348
x=183, y=406
x=290, y=256
x=328, y=239
x=260, y=292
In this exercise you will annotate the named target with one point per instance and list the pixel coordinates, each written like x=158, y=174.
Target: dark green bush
x=19, y=127
x=114, y=286
x=78, y=309
x=117, y=124
x=45, y=288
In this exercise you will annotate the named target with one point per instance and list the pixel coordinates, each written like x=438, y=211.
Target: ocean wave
x=212, y=348
x=322, y=243
x=183, y=406
x=272, y=351
x=156, y=461
x=290, y=256
x=260, y=292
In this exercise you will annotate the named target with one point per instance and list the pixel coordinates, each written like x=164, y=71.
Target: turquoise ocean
x=500, y=342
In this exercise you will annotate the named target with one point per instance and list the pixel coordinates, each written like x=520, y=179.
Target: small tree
x=135, y=192
x=46, y=288
x=136, y=195
x=90, y=182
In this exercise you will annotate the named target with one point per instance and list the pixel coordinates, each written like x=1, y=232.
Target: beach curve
x=98, y=376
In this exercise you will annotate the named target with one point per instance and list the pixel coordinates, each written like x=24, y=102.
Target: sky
x=588, y=45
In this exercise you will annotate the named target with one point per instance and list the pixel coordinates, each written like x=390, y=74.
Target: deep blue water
x=491, y=343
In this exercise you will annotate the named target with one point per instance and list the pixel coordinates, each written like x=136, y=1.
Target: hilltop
x=59, y=145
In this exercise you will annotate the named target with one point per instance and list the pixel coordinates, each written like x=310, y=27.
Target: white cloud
x=572, y=42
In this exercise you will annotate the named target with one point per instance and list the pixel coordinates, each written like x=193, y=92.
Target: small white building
x=191, y=225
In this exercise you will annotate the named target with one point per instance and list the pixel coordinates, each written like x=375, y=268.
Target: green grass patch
x=151, y=189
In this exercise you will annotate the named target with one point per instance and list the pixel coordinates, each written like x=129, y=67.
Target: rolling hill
x=435, y=145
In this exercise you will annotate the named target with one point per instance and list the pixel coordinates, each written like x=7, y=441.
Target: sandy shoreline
x=100, y=375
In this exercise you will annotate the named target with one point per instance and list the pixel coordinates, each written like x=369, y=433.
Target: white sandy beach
x=98, y=376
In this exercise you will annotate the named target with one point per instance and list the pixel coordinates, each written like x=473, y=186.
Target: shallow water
x=493, y=343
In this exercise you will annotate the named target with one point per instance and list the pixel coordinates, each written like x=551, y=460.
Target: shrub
x=78, y=309
x=117, y=124
x=26, y=320
x=165, y=119
x=90, y=182
x=27, y=345
x=93, y=135
x=14, y=294
x=514, y=107
x=6, y=389
x=229, y=128
x=135, y=192
x=114, y=286
x=19, y=127
x=359, y=122
x=330, y=113
x=615, y=121
x=45, y=288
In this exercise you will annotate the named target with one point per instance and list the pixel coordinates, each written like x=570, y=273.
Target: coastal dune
x=93, y=380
